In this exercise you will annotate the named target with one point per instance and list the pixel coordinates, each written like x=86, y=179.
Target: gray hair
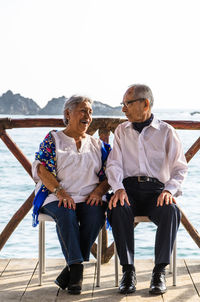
x=72, y=102
x=143, y=92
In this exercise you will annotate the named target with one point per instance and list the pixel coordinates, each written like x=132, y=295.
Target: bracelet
x=57, y=189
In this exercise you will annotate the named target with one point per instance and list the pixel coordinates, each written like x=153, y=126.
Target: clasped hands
x=164, y=198
x=94, y=198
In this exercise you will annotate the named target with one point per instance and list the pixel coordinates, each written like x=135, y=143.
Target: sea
x=16, y=185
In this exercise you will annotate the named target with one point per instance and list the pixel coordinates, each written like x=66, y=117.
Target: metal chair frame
x=42, y=218
x=172, y=267
x=41, y=253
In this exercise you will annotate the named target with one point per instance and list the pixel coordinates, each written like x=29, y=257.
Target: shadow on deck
x=19, y=282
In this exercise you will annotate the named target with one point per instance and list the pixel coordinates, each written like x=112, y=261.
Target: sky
x=97, y=48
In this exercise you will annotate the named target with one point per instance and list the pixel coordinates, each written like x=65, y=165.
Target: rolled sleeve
x=114, y=167
x=178, y=165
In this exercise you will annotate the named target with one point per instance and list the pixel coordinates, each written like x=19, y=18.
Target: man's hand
x=165, y=198
x=94, y=198
x=119, y=195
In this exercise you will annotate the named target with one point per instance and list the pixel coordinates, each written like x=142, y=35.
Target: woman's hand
x=94, y=199
x=64, y=198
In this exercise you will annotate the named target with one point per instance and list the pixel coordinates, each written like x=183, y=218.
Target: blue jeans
x=77, y=230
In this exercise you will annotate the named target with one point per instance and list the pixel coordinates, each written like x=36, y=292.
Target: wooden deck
x=19, y=282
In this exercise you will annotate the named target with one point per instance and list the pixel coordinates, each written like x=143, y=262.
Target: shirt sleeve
x=34, y=170
x=177, y=164
x=114, y=167
x=45, y=156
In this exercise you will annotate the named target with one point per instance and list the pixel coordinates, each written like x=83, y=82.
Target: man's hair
x=72, y=102
x=142, y=91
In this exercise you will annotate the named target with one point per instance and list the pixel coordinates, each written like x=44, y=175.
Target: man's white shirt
x=155, y=152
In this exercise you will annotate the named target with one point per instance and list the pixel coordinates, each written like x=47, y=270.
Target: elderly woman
x=70, y=177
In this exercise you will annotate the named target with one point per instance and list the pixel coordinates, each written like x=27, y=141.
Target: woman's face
x=80, y=117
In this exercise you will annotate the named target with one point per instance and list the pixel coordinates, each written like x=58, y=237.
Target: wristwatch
x=57, y=189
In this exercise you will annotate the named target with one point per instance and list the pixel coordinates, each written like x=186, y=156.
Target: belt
x=145, y=179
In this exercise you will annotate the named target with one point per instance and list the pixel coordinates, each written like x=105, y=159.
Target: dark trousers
x=76, y=230
x=143, y=198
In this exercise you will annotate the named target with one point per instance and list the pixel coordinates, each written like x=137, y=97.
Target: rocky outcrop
x=16, y=104
x=104, y=109
x=54, y=107
x=195, y=112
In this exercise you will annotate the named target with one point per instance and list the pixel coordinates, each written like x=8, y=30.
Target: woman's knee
x=65, y=216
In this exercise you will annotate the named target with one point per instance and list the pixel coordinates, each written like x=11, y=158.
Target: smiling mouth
x=85, y=122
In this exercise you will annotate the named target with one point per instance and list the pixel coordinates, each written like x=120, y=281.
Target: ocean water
x=16, y=185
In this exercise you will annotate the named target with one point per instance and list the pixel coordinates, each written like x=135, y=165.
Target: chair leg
x=99, y=249
x=170, y=265
x=174, y=264
x=40, y=251
x=116, y=266
x=43, y=248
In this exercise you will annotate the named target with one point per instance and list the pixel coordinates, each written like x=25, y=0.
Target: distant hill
x=53, y=107
x=195, y=112
x=104, y=109
x=16, y=104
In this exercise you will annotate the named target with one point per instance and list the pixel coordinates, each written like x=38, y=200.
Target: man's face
x=135, y=111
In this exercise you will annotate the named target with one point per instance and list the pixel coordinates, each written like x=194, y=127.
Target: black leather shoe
x=63, y=279
x=158, y=284
x=128, y=283
x=76, y=279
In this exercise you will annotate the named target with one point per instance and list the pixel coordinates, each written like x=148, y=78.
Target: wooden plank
x=143, y=273
x=15, y=278
x=16, y=219
x=15, y=150
x=3, y=265
x=49, y=290
x=107, y=290
x=192, y=150
x=109, y=123
x=193, y=267
x=19, y=282
x=184, y=290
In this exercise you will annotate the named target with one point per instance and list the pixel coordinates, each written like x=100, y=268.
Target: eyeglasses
x=131, y=101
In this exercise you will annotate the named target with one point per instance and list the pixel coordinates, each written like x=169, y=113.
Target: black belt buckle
x=143, y=178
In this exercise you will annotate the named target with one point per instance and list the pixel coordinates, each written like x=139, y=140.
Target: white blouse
x=76, y=169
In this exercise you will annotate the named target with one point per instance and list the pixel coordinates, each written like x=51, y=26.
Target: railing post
x=105, y=125
x=104, y=135
x=16, y=151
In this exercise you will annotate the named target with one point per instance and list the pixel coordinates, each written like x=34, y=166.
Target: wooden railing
x=104, y=127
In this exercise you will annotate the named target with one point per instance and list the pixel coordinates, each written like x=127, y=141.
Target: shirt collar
x=155, y=124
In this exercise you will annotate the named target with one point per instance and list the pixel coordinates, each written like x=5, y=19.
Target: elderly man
x=145, y=170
